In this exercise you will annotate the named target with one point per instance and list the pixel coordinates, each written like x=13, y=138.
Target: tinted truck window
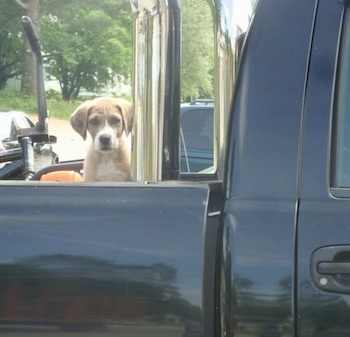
x=196, y=138
x=341, y=132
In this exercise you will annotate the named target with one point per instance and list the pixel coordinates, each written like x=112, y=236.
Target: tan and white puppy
x=109, y=121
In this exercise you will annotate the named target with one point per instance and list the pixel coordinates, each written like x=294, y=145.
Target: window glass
x=341, y=133
x=196, y=139
x=197, y=128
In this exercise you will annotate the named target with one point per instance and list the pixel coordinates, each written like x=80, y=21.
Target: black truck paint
x=262, y=252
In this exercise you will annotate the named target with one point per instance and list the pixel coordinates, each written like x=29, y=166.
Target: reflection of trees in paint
x=270, y=313
x=323, y=313
x=64, y=288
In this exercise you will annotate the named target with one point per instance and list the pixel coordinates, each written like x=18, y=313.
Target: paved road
x=70, y=145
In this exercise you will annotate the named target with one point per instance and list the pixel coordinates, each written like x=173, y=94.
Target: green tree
x=87, y=44
x=197, y=49
x=11, y=42
x=29, y=8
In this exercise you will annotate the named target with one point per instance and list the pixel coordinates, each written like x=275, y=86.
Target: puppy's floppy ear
x=79, y=119
x=127, y=112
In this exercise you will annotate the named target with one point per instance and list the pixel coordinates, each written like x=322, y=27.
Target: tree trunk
x=29, y=82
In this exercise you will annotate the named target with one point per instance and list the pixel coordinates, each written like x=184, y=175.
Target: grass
x=14, y=100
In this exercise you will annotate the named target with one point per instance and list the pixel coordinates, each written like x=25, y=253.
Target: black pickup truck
x=260, y=247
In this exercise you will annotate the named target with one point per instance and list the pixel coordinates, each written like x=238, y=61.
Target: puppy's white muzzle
x=106, y=141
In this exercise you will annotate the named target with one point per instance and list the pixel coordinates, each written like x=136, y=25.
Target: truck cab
x=285, y=248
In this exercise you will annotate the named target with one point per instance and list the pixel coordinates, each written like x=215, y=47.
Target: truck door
x=323, y=232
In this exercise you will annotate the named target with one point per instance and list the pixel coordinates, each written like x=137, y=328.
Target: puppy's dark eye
x=94, y=120
x=114, y=120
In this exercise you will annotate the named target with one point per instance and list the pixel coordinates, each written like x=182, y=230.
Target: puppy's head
x=105, y=118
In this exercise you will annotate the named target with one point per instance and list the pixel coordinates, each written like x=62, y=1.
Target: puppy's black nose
x=105, y=139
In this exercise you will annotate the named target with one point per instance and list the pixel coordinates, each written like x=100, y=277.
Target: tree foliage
x=11, y=42
x=30, y=8
x=87, y=44
x=197, y=49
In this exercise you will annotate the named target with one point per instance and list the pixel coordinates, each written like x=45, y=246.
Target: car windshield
x=5, y=126
x=197, y=128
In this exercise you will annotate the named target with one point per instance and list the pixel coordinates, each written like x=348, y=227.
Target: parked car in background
x=202, y=101
x=10, y=123
x=2, y=147
x=196, y=137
